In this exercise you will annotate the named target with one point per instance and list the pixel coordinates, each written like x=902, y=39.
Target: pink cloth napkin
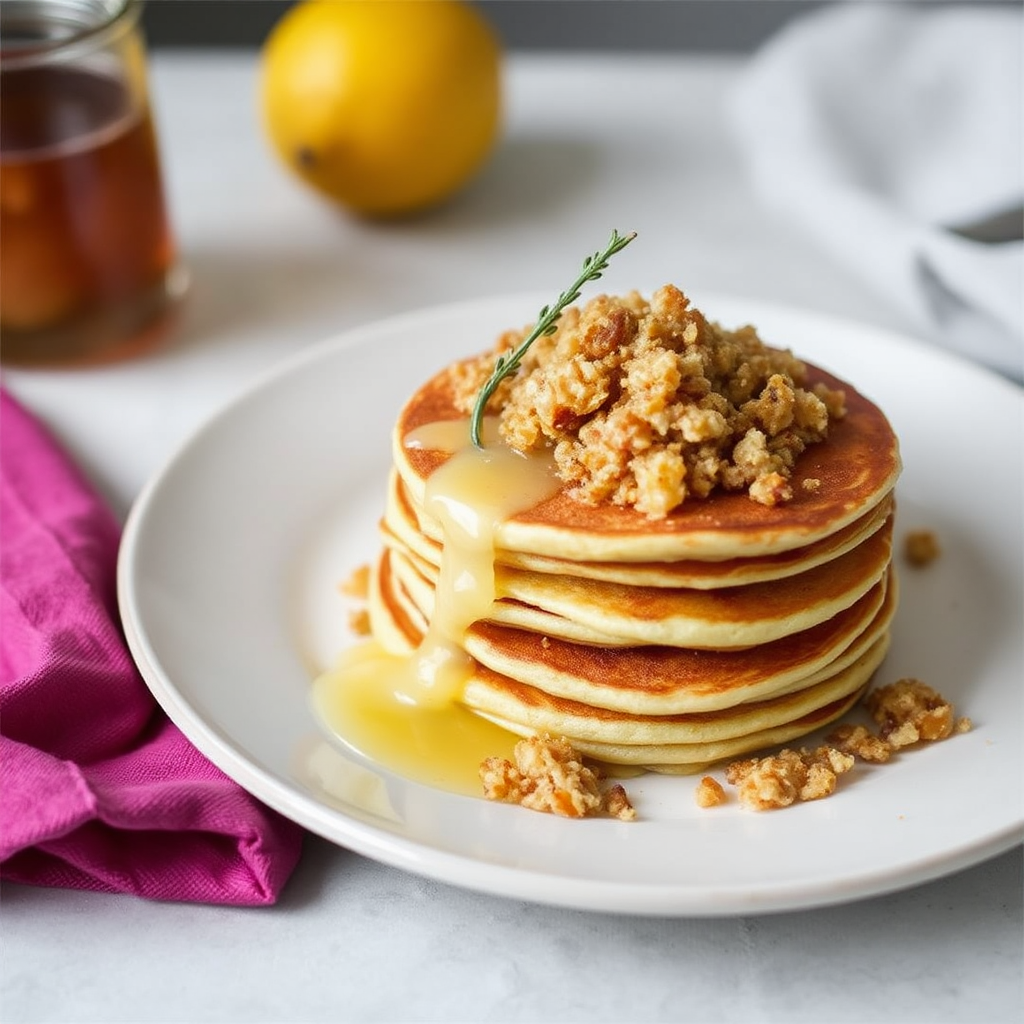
x=98, y=789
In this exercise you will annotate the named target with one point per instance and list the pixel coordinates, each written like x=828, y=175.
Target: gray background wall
x=646, y=25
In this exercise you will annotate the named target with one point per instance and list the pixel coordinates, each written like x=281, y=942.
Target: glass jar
x=88, y=263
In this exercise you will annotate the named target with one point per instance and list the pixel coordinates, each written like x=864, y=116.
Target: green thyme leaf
x=547, y=322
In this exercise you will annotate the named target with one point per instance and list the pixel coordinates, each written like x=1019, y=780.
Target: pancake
x=712, y=574
x=688, y=758
x=395, y=621
x=419, y=589
x=669, y=680
x=854, y=469
x=527, y=710
x=657, y=680
x=683, y=617
x=402, y=523
x=726, y=618
x=666, y=680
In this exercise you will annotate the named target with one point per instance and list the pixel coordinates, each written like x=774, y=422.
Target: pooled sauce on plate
x=404, y=712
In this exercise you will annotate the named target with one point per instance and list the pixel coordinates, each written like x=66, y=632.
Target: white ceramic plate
x=228, y=576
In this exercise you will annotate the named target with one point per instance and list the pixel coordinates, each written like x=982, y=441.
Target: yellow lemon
x=387, y=106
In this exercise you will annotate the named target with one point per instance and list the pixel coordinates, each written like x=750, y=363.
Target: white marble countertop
x=591, y=143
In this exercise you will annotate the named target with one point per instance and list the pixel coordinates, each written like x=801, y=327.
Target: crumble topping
x=357, y=586
x=908, y=711
x=709, y=792
x=359, y=622
x=548, y=775
x=767, y=783
x=861, y=742
x=646, y=404
x=617, y=803
x=921, y=547
x=357, y=583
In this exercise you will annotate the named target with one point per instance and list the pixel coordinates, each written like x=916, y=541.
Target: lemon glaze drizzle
x=404, y=712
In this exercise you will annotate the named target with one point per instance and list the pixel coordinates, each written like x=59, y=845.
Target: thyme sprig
x=547, y=322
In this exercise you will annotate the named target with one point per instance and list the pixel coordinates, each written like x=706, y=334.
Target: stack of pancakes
x=723, y=628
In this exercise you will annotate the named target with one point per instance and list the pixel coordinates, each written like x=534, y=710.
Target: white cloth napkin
x=882, y=129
